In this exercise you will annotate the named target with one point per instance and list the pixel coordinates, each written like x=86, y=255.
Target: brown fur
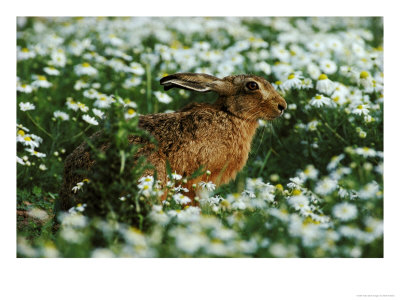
x=216, y=136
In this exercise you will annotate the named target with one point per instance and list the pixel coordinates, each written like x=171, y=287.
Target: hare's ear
x=194, y=82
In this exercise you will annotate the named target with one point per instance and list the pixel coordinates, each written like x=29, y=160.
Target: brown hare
x=216, y=136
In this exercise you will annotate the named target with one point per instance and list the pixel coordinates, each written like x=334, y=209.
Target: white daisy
x=24, y=88
x=181, y=199
x=320, y=100
x=325, y=85
x=41, y=81
x=25, y=106
x=293, y=81
x=62, y=115
x=344, y=211
x=85, y=69
x=51, y=71
x=90, y=120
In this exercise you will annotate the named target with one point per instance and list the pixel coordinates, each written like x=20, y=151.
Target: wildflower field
x=313, y=183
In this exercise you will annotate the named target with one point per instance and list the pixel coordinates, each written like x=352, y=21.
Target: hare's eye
x=252, y=85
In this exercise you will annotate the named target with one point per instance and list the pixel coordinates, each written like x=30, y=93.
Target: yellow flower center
x=279, y=187
x=25, y=50
x=291, y=76
x=131, y=112
x=364, y=74
x=41, y=77
x=360, y=106
x=296, y=192
x=319, y=97
x=86, y=65
x=322, y=77
x=21, y=132
x=278, y=82
x=28, y=139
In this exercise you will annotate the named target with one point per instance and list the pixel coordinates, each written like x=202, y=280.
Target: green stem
x=148, y=91
x=265, y=162
x=331, y=129
x=38, y=126
x=77, y=135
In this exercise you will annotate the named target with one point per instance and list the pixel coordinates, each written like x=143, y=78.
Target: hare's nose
x=281, y=108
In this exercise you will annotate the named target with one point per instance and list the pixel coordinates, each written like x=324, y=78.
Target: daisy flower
x=25, y=106
x=263, y=67
x=85, y=69
x=162, y=97
x=71, y=104
x=24, y=88
x=295, y=182
x=325, y=85
x=78, y=187
x=314, y=71
x=299, y=202
x=80, y=84
x=82, y=107
x=176, y=176
x=326, y=186
x=58, y=58
x=293, y=81
x=209, y=186
x=62, y=115
x=20, y=161
x=369, y=191
x=335, y=160
x=312, y=125
x=181, y=199
x=35, y=153
x=311, y=172
x=98, y=113
x=91, y=94
x=362, y=109
x=90, y=120
x=131, y=82
x=130, y=113
x=103, y=101
x=328, y=66
x=28, y=141
x=365, y=79
x=146, y=180
x=135, y=68
x=306, y=83
x=41, y=81
x=320, y=100
x=344, y=211
x=51, y=71
x=25, y=53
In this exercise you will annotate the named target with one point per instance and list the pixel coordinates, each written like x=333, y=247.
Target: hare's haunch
x=216, y=136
